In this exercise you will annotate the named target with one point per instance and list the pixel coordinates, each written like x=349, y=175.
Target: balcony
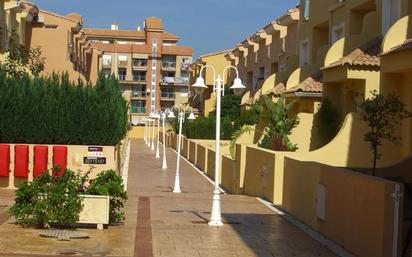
x=182, y=81
x=167, y=96
x=139, y=78
x=107, y=65
x=122, y=64
x=138, y=109
x=139, y=94
x=169, y=66
x=140, y=64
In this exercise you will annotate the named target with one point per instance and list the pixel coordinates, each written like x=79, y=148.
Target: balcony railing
x=138, y=109
x=168, y=65
x=182, y=80
x=107, y=65
x=122, y=63
x=140, y=94
x=177, y=80
x=169, y=95
x=139, y=63
x=139, y=78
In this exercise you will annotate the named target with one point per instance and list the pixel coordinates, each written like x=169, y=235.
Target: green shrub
x=248, y=117
x=205, y=128
x=57, y=200
x=326, y=121
x=109, y=183
x=49, y=200
x=54, y=110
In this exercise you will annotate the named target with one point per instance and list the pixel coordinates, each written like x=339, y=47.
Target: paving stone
x=160, y=223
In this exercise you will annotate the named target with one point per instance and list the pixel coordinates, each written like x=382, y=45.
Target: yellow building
x=205, y=103
x=59, y=37
x=396, y=66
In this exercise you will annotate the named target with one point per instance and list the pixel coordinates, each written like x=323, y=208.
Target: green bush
x=109, y=183
x=49, y=200
x=248, y=117
x=57, y=200
x=54, y=110
x=326, y=121
x=205, y=128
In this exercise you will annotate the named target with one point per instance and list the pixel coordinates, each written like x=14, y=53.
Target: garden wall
x=354, y=210
x=23, y=166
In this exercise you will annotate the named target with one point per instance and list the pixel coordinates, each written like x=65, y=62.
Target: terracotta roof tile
x=312, y=84
x=406, y=45
x=366, y=55
x=277, y=90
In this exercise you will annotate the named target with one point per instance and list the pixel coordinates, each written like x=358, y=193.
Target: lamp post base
x=157, y=154
x=176, y=188
x=216, y=223
x=216, y=216
x=164, y=166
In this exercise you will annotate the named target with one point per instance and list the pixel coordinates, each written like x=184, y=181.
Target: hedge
x=53, y=110
x=205, y=128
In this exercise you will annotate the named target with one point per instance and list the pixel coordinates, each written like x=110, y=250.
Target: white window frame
x=304, y=58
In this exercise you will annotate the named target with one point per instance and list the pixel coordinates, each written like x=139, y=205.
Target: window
x=122, y=74
x=306, y=10
x=169, y=61
x=139, y=91
x=122, y=60
x=185, y=60
x=338, y=32
x=261, y=73
x=138, y=106
x=140, y=62
x=107, y=60
x=391, y=14
x=139, y=76
x=304, y=53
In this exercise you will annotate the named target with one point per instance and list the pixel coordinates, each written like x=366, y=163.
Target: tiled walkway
x=160, y=223
x=178, y=220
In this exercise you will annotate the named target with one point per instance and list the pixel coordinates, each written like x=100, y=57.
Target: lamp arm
x=226, y=70
x=214, y=73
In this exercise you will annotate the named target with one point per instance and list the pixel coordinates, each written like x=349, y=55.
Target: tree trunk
x=375, y=158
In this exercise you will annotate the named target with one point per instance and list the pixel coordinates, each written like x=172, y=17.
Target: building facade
x=151, y=67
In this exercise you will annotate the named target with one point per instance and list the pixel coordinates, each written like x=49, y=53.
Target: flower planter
x=95, y=210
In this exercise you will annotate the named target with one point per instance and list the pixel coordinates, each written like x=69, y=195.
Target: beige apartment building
x=151, y=67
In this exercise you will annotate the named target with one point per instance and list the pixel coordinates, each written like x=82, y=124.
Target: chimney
x=115, y=27
x=139, y=28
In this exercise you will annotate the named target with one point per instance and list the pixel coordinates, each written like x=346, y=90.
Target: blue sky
x=205, y=25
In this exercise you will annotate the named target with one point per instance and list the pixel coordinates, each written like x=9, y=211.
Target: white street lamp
x=153, y=132
x=164, y=165
x=145, y=129
x=148, y=132
x=158, y=135
x=181, y=119
x=218, y=87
